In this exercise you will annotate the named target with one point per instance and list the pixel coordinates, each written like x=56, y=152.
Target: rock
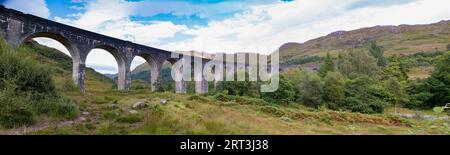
x=410, y=116
x=163, y=101
x=429, y=118
x=82, y=119
x=139, y=105
x=113, y=106
x=134, y=112
x=85, y=113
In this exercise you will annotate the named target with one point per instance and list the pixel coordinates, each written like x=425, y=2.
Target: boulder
x=163, y=101
x=134, y=112
x=140, y=105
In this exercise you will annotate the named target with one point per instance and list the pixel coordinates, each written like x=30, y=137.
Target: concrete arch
x=55, y=36
x=155, y=68
x=73, y=50
x=124, y=77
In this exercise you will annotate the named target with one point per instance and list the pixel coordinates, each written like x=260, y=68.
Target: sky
x=225, y=26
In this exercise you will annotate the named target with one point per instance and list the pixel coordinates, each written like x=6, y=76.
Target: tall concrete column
x=156, y=71
x=78, y=74
x=154, y=78
x=201, y=84
x=124, y=80
x=79, y=55
x=205, y=86
x=198, y=78
x=180, y=85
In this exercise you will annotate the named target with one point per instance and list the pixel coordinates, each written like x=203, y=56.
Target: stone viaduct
x=17, y=28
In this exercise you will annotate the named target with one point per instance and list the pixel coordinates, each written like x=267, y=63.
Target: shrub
x=14, y=111
x=284, y=95
x=311, y=90
x=198, y=98
x=434, y=91
x=333, y=89
x=130, y=119
x=66, y=109
x=70, y=86
x=27, y=89
x=364, y=95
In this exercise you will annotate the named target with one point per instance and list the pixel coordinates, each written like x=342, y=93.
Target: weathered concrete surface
x=17, y=27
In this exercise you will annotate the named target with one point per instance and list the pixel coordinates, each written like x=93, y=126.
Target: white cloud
x=268, y=27
x=112, y=18
x=35, y=7
x=261, y=28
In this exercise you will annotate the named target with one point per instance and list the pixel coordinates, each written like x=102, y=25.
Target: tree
x=377, y=52
x=435, y=91
x=355, y=63
x=396, y=91
x=328, y=66
x=239, y=88
x=284, y=95
x=311, y=90
x=448, y=47
x=333, y=90
x=363, y=94
x=396, y=68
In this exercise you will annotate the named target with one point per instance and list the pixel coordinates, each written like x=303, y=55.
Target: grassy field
x=106, y=111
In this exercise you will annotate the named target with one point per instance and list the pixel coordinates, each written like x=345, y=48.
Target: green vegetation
x=337, y=103
x=27, y=90
x=435, y=90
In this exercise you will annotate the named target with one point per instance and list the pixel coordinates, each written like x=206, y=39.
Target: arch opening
x=62, y=51
x=53, y=40
x=164, y=81
x=105, y=69
x=144, y=72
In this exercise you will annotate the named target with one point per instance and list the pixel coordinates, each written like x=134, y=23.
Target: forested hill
x=403, y=40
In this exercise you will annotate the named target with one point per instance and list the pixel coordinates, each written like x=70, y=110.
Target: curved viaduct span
x=17, y=28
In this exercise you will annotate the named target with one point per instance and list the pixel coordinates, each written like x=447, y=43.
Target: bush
x=364, y=95
x=70, y=86
x=26, y=73
x=434, y=91
x=14, y=111
x=130, y=119
x=311, y=90
x=284, y=95
x=27, y=89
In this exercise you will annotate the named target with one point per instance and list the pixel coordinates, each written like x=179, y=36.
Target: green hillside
x=402, y=40
x=104, y=110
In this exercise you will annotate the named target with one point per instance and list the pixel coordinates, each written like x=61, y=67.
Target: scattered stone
x=83, y=119
x=163, y=101
x=410, y=116
x=113, y=106
x=134, y=112
x=139, y=105
x=429, y=117
x=85, y=113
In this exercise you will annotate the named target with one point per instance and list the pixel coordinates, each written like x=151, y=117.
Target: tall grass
x=27, y=90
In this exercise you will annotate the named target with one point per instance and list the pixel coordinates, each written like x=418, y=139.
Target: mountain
x=402, y=39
